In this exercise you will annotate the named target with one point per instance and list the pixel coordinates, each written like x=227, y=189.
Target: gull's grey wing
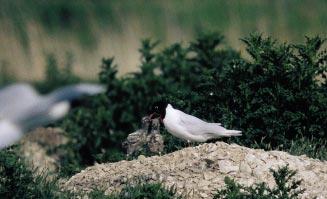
x=16, y=98
x=54, y=105
x=72, y=92
x=197, y=126
x=22, y=108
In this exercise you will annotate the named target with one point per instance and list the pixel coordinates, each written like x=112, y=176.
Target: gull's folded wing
x=72, y=92
x=197, y=126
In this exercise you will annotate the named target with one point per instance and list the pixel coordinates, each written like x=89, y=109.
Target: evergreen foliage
x=147, y=190
x=275, y=97
x=18, y=181
x=286, y=187
x=56, y=76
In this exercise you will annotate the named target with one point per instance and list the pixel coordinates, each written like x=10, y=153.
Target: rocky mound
x=198, y=172
x=35, y=145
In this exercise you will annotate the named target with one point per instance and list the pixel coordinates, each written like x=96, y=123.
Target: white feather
x=59, y=110
x=191, y=128
x=9, y=133
x=22, y=108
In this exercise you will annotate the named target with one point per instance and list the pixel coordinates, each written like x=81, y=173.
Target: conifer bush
x=286, y=187
x=147, y=190
x=56, y=76
x=18, y=181
x=273, y=98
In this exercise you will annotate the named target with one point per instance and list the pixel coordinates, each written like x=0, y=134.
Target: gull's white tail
x=229, y=133
x=217, y=130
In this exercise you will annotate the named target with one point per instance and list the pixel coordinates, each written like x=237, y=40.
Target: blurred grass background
x=84, y=31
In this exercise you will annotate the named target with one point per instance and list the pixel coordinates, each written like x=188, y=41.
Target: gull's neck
x=169, y=109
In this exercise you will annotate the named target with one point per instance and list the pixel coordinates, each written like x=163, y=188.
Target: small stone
x=309, y=175
x=203, y=195
x=259, y=171
x=250, y=158
x=141, y=157
x=207, y=176
x=245, y=168
x=226, y=166
x=204, y=183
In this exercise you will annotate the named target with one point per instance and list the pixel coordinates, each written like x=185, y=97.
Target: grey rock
x=34, y=147
x=189, y=172
x=245, y=168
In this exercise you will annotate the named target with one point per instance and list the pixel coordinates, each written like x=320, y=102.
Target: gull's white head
x=158, y=109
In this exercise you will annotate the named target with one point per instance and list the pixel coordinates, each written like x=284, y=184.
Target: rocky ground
x=35, y=146
x=198, y=172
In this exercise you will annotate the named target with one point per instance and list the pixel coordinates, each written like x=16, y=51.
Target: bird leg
x=189, y=143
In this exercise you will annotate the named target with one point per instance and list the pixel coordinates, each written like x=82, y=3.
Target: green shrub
x=17, y=181
x=5, y=74
x=147, y=190
x=98, y=194
x=274, y=97
x=56, y=76
x=286, y=188
x=312, y=147
x=103, y=124
x=139, y=191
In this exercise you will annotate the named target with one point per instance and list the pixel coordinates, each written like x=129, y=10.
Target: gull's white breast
x=9, y=133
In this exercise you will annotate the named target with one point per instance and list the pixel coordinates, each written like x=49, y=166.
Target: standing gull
x=188, y=127
x=23, y=109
